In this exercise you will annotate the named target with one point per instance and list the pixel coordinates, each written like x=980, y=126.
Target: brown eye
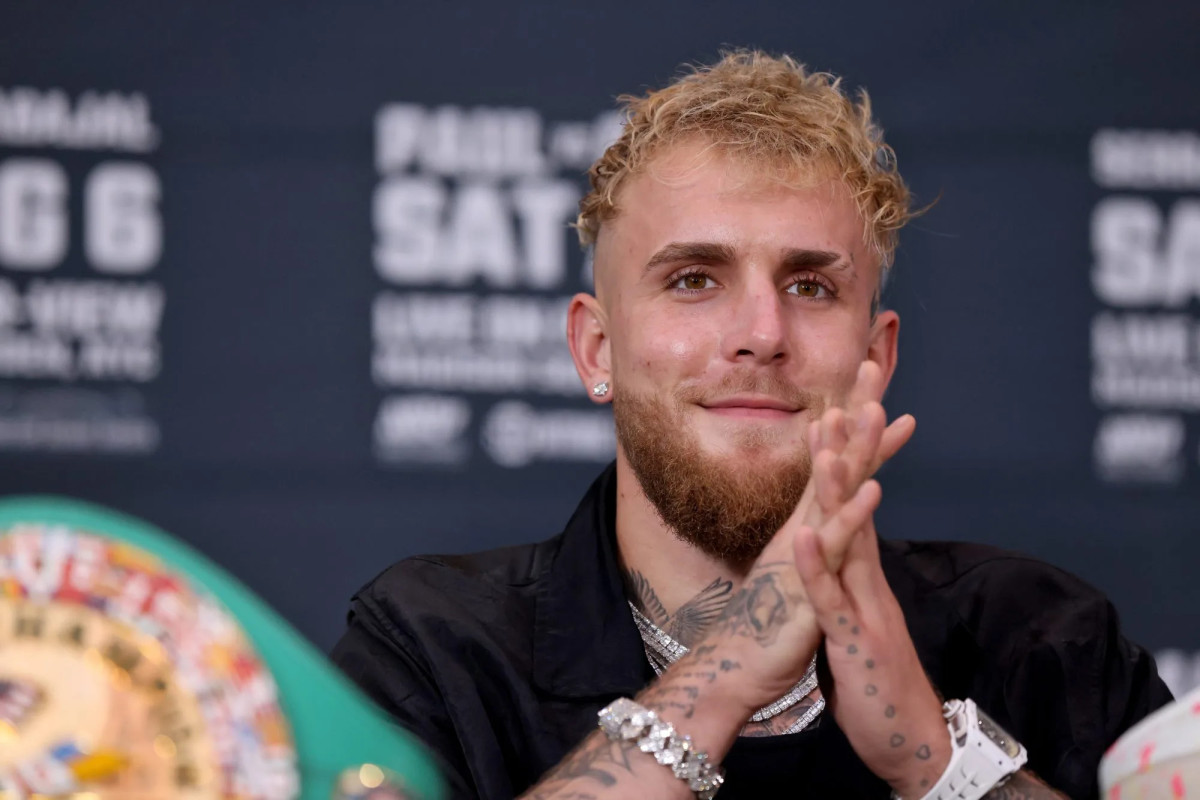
x=693, y=283
x=807, y=288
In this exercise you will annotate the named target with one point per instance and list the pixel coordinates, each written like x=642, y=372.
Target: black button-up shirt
x=500, y=660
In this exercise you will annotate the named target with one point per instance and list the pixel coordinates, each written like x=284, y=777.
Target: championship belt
x=132, y=668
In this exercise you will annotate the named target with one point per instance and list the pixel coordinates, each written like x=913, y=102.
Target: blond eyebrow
x=814, y=259
x=717, y=253
x=702, y=252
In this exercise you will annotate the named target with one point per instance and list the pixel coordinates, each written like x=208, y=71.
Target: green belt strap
x=107, y=687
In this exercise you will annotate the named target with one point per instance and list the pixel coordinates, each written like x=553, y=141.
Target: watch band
x=626, y=720
x=984, y=756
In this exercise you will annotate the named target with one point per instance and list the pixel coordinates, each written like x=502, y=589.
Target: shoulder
x=474, y=589
x=1002, y=593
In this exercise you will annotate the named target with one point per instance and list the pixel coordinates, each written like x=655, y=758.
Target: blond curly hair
x=761, y=110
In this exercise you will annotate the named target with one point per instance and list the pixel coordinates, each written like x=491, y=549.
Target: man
x=741, y=227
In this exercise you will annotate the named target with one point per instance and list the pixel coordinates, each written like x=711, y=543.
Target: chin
x=747, y=449
x=733, y=437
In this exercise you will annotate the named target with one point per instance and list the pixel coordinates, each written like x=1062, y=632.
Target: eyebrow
x=704, y=252
x=717, y=253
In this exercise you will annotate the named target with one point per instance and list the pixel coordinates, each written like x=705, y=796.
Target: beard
x=728, y=510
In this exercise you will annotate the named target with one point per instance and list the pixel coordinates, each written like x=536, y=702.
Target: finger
x=833, y=535
x=868, y=386
x=830, y=476
x=821, y=583
x=833, y=430
x=839, y=533
x=895, y=436
x=862, y=448
x=862, y=572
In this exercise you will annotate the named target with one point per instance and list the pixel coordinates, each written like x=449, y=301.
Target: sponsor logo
x=515, y=435
x=1145, y=341
x=1140, y=447
x=476, y=266
x=79, y=309
x=425, y=429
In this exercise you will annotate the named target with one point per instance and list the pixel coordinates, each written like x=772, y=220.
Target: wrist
x=703, y=695
x=627, y=721
x=983, y=755
x=922, y=774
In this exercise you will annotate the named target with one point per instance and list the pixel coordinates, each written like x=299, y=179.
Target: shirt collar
x=585, y=641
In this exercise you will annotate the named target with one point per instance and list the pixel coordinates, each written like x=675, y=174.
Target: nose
x=757, y=329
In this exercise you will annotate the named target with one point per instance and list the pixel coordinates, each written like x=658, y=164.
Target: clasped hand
x=820, y=578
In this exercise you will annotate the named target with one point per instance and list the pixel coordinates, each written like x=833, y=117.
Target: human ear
x=589, y=343
x=883, y=345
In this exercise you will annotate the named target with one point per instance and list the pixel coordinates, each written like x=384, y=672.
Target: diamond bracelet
x=625, y=720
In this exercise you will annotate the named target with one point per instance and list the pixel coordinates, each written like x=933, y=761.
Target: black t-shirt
x=500, y=660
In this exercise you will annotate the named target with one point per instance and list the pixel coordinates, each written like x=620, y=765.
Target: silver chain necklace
x=662, y=651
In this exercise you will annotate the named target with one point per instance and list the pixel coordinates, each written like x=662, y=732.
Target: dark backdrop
x=287, y=278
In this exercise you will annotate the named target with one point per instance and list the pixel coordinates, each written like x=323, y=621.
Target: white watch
x=985, y=755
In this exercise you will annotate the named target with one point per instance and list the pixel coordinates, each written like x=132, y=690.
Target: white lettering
x=479, y=238
x=543, y=207
x=1140, y=446
x=448, y=140
x=1141, y=338
x=470, y=370
x=523, y=321
x=407, y=215
x=515, y=434
x=81, y=308
x=1146, y=159
x=123, y=231
x=32, y=356
x=33, y=216
x=12, y=311
x=422, y=427
x=100, y=359
x=422, y=317
x=98, y=121
x=1135, y=264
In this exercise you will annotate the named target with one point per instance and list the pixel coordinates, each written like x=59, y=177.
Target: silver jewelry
x=600, y=389
x=662, y=651
x=625, y=720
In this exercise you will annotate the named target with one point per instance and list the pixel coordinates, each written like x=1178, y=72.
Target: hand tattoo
x=759, y=609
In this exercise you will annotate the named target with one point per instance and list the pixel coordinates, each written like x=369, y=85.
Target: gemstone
x=610, y=723
x=714, y=783
x=676, y=751
x=689, y=770
x=656, y=738
x=633, y=728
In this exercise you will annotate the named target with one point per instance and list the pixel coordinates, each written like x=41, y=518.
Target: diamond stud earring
x=600, y=389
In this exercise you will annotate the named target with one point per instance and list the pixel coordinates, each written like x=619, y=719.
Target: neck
x=678, y=587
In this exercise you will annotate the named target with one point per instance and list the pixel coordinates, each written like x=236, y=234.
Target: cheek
x=656, y=350
x=829, y=365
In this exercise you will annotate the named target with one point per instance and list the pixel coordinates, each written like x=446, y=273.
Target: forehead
x=694, y=191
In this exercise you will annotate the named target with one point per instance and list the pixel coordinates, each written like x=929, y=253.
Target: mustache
x=768, y=384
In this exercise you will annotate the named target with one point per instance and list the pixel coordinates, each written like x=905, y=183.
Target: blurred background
x=287, y=279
